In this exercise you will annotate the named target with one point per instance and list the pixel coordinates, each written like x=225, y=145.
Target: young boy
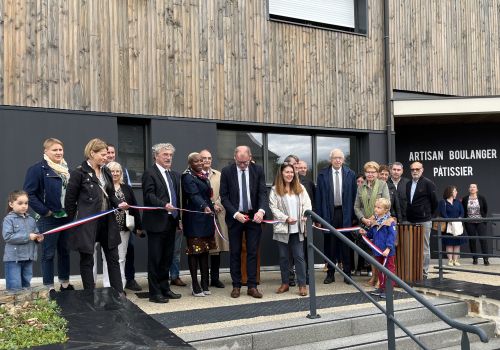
x=383, y=235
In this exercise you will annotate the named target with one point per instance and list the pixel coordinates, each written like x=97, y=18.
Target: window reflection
x=324, y=145
x=131, y=150
x=281, y=145
x=228, y=140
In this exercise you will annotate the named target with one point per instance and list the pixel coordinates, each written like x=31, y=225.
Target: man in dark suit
x=244, y=196
x=396, y=178
x=160, y=187
x=422, y=203
x=335, y=195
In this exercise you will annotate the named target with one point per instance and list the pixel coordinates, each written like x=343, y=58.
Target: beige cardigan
x=280, y=210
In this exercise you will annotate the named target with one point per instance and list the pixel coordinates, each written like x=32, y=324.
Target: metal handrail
x=389, y=310
x=440, y=251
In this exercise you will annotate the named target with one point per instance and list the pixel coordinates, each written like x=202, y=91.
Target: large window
x=271, y=149
x=131, y=150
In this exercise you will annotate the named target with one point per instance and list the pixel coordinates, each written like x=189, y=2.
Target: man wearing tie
x=244, y=196
x=335, y=195
x=160, y=187
x=422, y=203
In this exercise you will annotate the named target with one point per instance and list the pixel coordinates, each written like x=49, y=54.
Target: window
x=346, y=15
x=228, y=140
x=279, y=146
x=131, y=149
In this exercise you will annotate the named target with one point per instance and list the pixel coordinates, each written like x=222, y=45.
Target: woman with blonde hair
x=288, y=202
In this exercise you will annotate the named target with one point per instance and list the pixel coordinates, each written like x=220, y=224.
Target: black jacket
x=310, y=188
x=155, y=193
x=196, y=194
x=424, y=203
x=483, y=205
x=401, y=190
x=84, y=198
x=395, y=203
x=128, y=192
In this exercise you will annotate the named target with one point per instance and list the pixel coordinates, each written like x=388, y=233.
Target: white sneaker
x=450, y=262
x=207, y=292
x=201, y=294
x=456, y=263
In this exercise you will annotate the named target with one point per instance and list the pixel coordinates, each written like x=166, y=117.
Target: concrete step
x=493, y=344
x=297, y=331
x=433, y=335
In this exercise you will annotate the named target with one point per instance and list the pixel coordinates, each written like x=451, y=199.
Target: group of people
x=216, y=212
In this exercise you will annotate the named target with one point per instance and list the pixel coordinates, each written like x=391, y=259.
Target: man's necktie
x=173, y=195
x=337, y=201
x=244, y=196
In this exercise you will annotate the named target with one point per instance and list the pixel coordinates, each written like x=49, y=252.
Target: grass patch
x=30, y=324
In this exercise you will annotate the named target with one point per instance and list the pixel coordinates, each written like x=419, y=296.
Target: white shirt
x=162, y=172
x=292, y=202
x=340, y=180
x=247, y=177
x=412, y=189
x=396, y=183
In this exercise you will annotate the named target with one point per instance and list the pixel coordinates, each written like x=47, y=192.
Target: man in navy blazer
x=335, y=195
x=422, y=203
x=244, y=196
x=160, y=187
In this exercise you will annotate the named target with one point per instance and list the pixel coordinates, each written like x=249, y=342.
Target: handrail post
x=440, y=249
x=465, y=343
x=310, y=261
x=389, y=307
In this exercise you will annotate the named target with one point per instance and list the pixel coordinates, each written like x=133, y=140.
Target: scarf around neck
x=369, y=200
x=381, y=219
x=60, y=169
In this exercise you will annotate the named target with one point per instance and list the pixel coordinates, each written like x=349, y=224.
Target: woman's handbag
x=455, y=228
x=129, y=221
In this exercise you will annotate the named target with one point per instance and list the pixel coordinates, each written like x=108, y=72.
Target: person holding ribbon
x=382, y=232
x=90, y=192
x=288, y=202
x=46, y=184
x=197, y=221
x=371, y=190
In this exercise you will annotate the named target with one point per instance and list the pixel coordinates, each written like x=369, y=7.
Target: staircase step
x=297, y=331
x=434, y=335
x=493, y=344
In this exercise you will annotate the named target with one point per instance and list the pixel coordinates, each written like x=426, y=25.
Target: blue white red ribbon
x=79, y=222
x=374, y=247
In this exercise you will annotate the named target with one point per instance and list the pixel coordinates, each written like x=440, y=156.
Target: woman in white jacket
x=288, y=201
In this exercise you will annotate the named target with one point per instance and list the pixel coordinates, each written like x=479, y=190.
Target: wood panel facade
x=448, y=47
x=212, y=59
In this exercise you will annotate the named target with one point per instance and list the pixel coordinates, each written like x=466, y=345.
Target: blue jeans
x=176, y=261
x=297, y=250
x=18, y=274
x=51, y=243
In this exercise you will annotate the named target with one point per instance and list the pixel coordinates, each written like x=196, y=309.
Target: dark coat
x=196, y=194
x=44, y=188
x=395, y=204
x=403, y=202
x=155, y=193
x=128, y=192
x=424, y=203
x=483, y=205
x=324, y=195
x=310, y=188
x=230, y=190
x=84, y=198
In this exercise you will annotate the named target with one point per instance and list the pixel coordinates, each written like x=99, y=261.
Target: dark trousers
x=129, y=259
x=160, y=254
x=335, y=249
x=477, y=229
x=296, y=247
x=111, y=254
x=252, y=232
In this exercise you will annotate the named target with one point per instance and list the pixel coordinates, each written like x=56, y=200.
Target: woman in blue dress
x=450, y=207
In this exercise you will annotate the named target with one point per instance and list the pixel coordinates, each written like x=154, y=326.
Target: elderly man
x=421, y=204
x=244, y=196
x=160, y=187
x=399, y=181
x=222, y=244
x=335, y=195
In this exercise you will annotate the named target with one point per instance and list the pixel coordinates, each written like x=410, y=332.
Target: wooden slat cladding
x=446, y=46
x=214, y=59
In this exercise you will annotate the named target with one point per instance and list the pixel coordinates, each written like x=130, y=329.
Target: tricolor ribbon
x=79, y=222
x=374, y=247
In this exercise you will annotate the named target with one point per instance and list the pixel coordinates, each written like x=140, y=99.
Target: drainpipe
x=388, y=90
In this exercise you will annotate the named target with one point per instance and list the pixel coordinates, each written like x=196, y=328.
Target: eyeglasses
x=242, y=163
x=416, y=169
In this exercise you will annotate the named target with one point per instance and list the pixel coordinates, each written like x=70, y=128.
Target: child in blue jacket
x=20, y=234
x=383, y=235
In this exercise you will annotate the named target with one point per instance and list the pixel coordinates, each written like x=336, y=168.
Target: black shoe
x=159, y=299
x=376, y=292
x=474, y=261
x=133, y=285
x=330, y=278
x=52, y=294
x=217, y=284
x=171, y=295
x=486, y=262
x=69, y=287
x=291, y=283
x=346, y=281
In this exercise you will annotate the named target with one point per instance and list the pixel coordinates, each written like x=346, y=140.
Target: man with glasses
x=244, y=196
x=421, y=204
